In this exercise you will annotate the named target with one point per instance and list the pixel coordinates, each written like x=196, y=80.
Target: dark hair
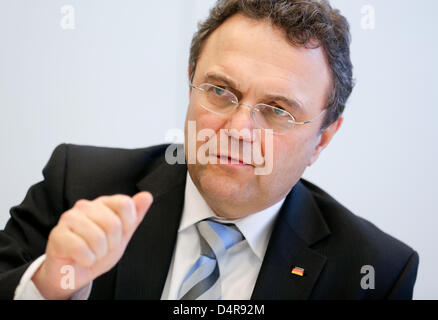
x=303, y=22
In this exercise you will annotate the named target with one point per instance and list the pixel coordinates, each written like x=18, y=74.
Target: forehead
x=258, y=56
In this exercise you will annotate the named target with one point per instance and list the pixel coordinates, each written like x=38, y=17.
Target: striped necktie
x=202, y=281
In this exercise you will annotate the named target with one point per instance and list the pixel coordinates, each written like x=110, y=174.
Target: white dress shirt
x=244, y=259
x=243, y=262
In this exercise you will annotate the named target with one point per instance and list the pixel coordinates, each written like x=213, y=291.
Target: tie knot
x=219, y=236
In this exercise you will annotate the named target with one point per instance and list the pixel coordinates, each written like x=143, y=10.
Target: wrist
x=50, y=287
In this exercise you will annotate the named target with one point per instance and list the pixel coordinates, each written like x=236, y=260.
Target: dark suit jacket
x=312, y=231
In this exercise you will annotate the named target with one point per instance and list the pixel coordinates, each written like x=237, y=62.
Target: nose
x=239, y=122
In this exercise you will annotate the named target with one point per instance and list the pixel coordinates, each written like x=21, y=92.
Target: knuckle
x=82, y=203
x=114, y=225
x=100, y=240
x=78, y=250
x=53, y=235
x=83, y=253
x=67, y=213
x=126, y=203
x=70, y=219
x=101, y=199
x=67, y=216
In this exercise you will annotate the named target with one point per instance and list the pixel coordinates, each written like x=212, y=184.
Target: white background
x=119, y=79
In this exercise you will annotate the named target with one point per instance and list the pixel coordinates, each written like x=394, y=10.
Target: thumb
x=143, y=201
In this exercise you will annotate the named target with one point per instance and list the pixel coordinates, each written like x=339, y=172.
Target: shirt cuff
x=26, y=289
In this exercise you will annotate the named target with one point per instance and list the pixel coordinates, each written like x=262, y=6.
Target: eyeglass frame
x=254, y=109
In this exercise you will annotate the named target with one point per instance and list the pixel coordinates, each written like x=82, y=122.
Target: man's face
x=254, y=60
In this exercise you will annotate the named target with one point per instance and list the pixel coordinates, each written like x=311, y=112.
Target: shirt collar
x=256, y=228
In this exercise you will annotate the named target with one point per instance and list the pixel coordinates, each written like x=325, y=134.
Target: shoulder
x=355, y=242
x=94, y=157
x=90, y=171
x=96, y=153
x=353, y=246
x=343, y=223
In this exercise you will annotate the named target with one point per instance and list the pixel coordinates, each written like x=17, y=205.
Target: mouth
x=230, y=161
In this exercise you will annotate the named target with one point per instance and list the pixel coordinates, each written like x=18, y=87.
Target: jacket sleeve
x=25, y=235
x=404, y=286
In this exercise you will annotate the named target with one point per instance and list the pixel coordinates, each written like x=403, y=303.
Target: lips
x=230, y=160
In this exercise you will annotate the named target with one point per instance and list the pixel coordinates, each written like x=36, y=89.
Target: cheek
x=200, y=125
x=292, y=153
x=204, y=119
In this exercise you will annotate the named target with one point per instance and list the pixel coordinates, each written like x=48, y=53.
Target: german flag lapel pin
x=298, y=271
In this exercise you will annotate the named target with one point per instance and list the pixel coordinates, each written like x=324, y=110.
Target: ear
x=324, y=139
x=189, y=72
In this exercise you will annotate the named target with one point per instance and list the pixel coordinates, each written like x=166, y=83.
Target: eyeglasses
x=223, y=102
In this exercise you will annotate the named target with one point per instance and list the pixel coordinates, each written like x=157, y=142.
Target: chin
x=224, y=188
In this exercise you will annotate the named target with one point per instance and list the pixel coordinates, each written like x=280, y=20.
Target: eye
x=279, y=111
x=219, y=91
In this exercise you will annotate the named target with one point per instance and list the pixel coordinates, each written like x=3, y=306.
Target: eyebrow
x=221, y=78
x=291, y=103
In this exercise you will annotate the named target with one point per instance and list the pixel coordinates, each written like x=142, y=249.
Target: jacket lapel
x=299, y=225
x=142, y=271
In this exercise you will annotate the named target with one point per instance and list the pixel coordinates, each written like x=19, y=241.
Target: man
x=130, y=225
